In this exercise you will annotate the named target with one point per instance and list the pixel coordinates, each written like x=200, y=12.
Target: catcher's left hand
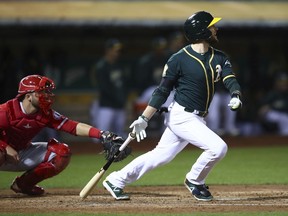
x=111, y=143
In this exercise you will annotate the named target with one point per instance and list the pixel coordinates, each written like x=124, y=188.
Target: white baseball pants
x=182, y=128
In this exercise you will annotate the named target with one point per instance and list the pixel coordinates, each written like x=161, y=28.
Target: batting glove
x=235, y=103
x=139, y=127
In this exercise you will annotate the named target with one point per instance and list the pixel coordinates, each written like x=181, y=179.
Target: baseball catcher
x=21, y=119
x=111, y=144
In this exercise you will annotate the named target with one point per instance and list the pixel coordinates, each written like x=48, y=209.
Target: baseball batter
x=21, y=119
x=192, y=72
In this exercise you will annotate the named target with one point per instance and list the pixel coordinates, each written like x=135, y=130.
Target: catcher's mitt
x=111, y=146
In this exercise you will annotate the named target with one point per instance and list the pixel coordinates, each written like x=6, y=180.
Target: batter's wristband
x=145, y=118
x=236, y=94
x=95, y=133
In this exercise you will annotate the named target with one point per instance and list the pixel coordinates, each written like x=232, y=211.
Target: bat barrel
x=91, y=184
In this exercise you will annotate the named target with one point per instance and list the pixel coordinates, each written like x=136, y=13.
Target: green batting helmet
x=196, y=26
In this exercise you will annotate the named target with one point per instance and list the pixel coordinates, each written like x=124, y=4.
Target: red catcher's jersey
x=17, y=128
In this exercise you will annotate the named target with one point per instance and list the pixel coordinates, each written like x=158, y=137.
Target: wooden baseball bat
x=96, y=178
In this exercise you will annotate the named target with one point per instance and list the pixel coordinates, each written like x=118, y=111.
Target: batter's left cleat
x=200, y=192
x=35, y=190
x=116, y=192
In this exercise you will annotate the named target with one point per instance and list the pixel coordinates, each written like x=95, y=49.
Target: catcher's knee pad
x=60, y=160
x=58, y=148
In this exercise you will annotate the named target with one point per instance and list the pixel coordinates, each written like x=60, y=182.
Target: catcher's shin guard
x=27, y=182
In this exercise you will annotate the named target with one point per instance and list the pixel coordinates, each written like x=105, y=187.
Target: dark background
x=69, y=51
x=256, y=52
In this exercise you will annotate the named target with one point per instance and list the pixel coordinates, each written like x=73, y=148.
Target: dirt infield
x=163, y=199
x=160, y=199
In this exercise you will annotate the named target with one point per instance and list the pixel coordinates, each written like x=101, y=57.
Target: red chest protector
x=18, y=128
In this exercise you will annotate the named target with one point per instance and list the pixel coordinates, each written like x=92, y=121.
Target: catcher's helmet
x=41, y=84
x=196, y=26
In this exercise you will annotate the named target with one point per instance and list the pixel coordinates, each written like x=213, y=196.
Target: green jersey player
x=192, y=72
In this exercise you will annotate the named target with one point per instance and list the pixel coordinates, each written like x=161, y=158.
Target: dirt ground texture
x=160, y=199
x=156, y=199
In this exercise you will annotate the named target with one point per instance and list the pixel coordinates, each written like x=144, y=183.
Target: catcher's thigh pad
x=58, y=148
x=61, y=155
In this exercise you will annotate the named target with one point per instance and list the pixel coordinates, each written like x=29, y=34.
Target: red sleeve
x=69, y=126
x=94, y=132
x=62, y=123
x=3, y=124
x=3, y=116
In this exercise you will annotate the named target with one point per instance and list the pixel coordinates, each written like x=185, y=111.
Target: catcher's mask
x=196, y=26
x=40, y=84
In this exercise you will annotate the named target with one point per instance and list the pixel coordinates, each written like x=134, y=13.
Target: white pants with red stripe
x=182, y=128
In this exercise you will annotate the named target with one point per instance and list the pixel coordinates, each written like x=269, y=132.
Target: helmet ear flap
x=194, y=37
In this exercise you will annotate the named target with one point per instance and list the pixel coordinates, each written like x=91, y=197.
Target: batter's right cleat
x=35, y=190
x=200, y=192
x=116, y=192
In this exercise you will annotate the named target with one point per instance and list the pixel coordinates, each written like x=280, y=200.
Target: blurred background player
x=21, y=119
x=274, y=107
x=112, y=85
x=149, y=69
x=148, y=75
x=176, y=41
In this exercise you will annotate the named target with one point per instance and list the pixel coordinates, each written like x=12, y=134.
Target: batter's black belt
x=196, y=112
